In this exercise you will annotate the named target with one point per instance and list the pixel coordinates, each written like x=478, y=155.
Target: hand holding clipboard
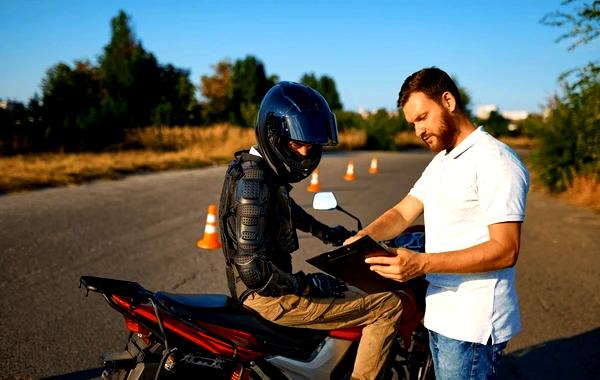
x=347, y=263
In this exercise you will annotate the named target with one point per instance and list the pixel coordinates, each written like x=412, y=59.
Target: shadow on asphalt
x=93, y=373
x=577, y=357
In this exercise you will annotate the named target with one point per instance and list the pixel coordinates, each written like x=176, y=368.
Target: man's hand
x=354, y=238
x=321, y=285
x=402, y=267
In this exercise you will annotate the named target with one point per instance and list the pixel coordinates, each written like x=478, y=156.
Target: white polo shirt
x=479, y=183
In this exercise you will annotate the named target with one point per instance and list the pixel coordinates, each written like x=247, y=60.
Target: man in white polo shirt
x=472, y=195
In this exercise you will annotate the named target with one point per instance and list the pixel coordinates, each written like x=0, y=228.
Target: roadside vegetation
x=144, y=150
x=124, y=114
x=567, y=160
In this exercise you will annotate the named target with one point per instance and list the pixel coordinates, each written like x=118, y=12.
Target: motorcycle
x=211, y=336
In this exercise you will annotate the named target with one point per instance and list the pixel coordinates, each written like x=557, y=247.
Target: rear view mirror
x=324, y=201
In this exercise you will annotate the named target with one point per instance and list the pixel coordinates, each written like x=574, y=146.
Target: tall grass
x=148, y=149
x=351, y=139
x=519, y=142
x=163, y=148
x=216, y=141
x=584, y=190
x=408, y=139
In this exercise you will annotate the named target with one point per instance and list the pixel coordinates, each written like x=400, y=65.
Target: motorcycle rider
x=259, y=221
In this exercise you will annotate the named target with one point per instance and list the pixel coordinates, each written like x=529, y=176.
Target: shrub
x=570, y=136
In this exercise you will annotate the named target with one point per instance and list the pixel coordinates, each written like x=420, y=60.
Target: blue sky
x=498, y=50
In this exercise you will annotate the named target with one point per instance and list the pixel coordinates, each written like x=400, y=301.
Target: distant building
x=364, y=113
x=515, y=115
x=483, y=112
x=9, y=105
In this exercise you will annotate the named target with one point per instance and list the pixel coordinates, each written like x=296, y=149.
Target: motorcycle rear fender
x=132, y=300
x=174, y=326
x=109, y=287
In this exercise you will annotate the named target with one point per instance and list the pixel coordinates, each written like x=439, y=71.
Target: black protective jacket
x=258, y=222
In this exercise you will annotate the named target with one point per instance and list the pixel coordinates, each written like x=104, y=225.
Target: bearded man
x=473, y=196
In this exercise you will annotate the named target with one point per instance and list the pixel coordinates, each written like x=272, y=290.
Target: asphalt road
x=144, y=228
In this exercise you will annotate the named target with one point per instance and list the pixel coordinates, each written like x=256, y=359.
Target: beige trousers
x=378, y=313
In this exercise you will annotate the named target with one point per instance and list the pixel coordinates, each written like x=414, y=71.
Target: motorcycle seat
x=224, y=311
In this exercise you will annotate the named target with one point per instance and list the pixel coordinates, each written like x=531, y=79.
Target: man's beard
x=447, y=135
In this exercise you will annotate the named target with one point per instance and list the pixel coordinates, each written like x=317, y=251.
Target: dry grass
x=217, y=140
x=352, y=139
x=584, y=191
x=159, y=148
x=521, y=142
x=408, y=139
x=36, y=171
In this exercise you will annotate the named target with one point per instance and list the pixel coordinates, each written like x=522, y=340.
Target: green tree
x=137, y=90
x=531, y=125
x=465, y=96
x=381, y=128
x=581, y=22
x=21, y=127
x=13, y=116
x=328, y=89
x=87, y=107
x=216, y=90
x=310, y=80
x=349, y=120
x=496, y=124
x=325, y=85
x=70, y=107
x=177, y=103
x=249, y=84
x=130, y=78
x=569, y=138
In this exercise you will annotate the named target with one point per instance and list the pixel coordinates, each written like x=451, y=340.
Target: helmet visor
x=309, y=128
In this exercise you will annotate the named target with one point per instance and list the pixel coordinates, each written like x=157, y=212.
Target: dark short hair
x=433, y=82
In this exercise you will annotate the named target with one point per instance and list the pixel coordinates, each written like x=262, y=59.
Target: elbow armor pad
x=266, y=279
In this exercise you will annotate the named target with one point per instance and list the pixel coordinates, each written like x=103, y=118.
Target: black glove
x=321, y=285
x=337, y=235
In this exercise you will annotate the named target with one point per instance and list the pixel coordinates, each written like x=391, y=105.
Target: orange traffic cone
x=314, y=182
x=350, y=171
x=373, y=167
x=210, y=240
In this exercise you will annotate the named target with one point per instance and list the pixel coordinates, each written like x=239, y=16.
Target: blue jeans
x=458, y=360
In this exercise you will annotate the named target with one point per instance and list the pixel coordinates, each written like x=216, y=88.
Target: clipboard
x=347, y=263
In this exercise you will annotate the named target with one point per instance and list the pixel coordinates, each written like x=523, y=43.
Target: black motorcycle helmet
x=292, y=111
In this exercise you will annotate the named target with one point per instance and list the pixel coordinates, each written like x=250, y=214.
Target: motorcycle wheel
x=142, y=371
x=398, y=370
x=115, y=375
x=405, y=365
